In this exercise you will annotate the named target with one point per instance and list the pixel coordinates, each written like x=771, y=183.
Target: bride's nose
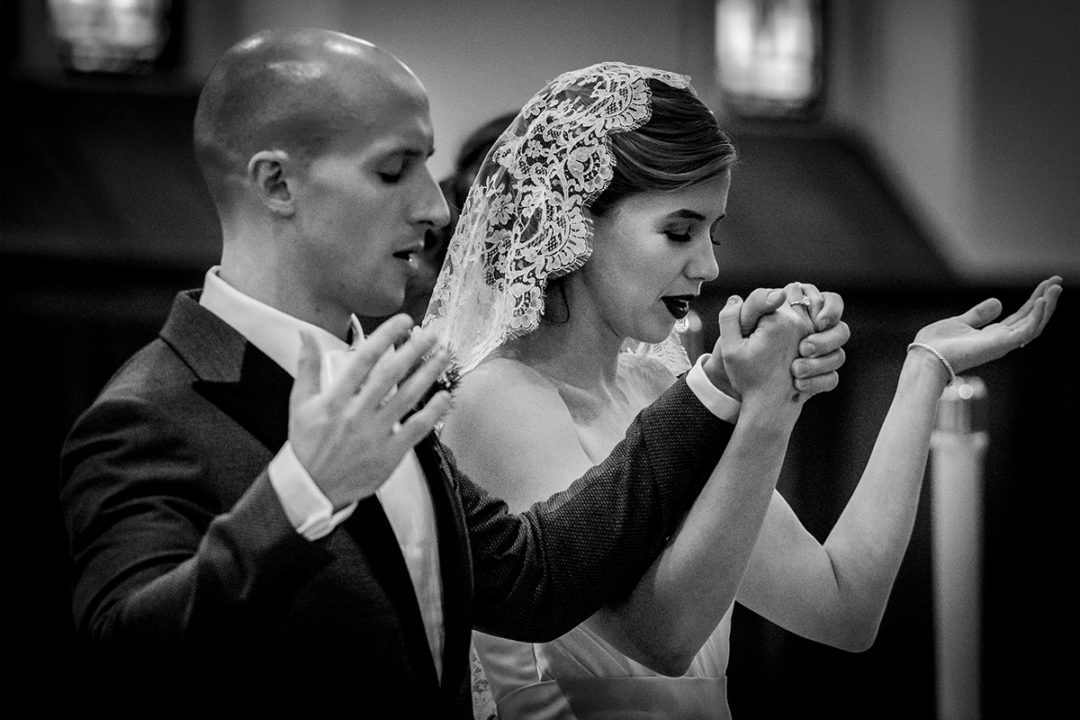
x=702, y=265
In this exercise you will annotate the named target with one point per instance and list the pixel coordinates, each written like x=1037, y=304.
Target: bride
x=587, y=234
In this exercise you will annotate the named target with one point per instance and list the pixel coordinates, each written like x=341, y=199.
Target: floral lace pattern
x=526, y=218
x=482, y=699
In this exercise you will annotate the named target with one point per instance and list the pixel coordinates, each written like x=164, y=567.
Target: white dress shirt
x=405, y=497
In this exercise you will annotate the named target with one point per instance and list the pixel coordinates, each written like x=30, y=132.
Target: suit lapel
x=258, y=401
x=370, y=528
x=232, y=373
x=454, y=562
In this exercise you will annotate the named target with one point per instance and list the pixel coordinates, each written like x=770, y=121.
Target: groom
x=249, y=530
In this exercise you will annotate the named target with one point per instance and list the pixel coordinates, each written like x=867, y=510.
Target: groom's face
x=367, y=202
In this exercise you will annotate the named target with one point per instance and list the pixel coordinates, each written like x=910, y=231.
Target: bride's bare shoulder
x=502, y=376
x=508, y=421
x=501, y=394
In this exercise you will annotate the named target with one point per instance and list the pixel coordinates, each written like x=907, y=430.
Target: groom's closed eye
x=391, y=171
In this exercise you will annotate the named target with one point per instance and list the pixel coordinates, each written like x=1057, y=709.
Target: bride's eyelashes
x=684, y=237
x=678, y=235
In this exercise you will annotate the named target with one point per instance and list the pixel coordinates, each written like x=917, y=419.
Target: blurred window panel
x=110, y=36
x=769, y=56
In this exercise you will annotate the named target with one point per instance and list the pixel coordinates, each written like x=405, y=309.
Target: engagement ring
x=804, y=301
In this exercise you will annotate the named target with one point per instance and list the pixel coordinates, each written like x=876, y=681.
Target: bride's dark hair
x=682, y=144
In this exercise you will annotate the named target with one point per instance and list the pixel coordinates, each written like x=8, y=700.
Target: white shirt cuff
x=718, y=402
x=309, y=511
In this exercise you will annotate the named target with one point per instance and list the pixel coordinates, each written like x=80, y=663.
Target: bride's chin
x=659, y=335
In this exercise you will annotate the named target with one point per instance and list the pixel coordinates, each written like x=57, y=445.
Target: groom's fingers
x=817, y=302
x=729, y=323
x=804, y=368
x=394, y=367
x=826, y=309
x=832, y=308
x=757, y=305
x=825, y=382
x=361, y=361
x=825, y=342
x=307, y=371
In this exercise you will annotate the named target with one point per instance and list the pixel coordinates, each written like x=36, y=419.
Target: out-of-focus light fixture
x=769, y=56
x=109, y=36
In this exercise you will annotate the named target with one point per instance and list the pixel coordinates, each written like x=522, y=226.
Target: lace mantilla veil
x=526, y=219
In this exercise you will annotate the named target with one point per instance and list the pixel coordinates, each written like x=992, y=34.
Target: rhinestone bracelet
x=933, y=351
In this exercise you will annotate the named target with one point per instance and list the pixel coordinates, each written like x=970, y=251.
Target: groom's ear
x=270, y=175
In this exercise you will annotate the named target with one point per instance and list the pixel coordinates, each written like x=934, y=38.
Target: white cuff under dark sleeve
x=719, y=403
x=309, y=511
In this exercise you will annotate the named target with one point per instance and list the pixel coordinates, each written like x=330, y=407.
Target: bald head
x=289, y=90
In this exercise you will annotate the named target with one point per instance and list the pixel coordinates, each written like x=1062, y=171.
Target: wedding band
x=804, y=301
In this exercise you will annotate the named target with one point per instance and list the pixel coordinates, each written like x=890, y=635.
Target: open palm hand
x=972, y=339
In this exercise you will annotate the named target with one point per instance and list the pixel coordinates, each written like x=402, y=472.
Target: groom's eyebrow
x=411, y=152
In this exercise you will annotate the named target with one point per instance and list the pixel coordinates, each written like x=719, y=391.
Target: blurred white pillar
x=957, y=449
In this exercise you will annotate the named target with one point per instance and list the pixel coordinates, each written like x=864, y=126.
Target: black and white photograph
x=566, y=360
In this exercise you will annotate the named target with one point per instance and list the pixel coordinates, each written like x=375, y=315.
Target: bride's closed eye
x=683, y=237
x=678, y=235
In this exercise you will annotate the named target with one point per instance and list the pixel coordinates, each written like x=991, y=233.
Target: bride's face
x=651, y=255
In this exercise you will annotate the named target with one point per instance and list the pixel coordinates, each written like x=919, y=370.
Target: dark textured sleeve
x=540, y=573
x=158, y=567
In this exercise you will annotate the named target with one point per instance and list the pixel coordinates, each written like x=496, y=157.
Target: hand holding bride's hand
x=821, y=351
x=971, y=339
x=759, y=365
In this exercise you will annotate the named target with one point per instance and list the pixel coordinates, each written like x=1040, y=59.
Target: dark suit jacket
x=188, y=576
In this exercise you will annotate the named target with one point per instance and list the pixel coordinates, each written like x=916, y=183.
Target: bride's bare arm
x=836, y=592
x=685, y=593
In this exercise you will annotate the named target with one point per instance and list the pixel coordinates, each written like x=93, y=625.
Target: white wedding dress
x=580, y=676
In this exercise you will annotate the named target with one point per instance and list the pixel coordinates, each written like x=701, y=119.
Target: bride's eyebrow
x=685, y=214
